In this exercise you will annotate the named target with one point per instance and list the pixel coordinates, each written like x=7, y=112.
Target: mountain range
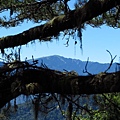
x=61, y=63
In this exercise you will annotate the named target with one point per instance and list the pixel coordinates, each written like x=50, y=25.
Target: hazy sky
x=95, y=43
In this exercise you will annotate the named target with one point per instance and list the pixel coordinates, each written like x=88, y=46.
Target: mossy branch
x=29, y=81
x=60, y=23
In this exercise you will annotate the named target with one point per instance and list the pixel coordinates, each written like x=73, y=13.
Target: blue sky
x=95, y=43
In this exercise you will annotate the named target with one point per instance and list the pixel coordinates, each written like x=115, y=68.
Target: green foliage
x=30, y=10
x=110, y=18
x=37, y=11
x=108, y=108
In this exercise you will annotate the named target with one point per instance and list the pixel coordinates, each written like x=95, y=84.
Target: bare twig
x=82, y=108
x=86, y=68
x=58, y=104
x=112, y=59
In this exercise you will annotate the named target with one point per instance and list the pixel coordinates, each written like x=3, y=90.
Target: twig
x=58, y=104
x=86, y=68
x=112, y=59
x=82, y=108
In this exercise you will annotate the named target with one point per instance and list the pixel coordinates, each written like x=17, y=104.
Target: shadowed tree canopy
x=20, y=77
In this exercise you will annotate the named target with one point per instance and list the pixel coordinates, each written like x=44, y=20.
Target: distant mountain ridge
x=60, y=63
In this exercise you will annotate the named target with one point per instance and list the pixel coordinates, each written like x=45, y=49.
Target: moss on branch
x=59, y=23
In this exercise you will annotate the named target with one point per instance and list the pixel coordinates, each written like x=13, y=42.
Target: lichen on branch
x=59, y=23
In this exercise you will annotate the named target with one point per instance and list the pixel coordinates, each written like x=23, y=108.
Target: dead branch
x=112, y=59
x=85, y=71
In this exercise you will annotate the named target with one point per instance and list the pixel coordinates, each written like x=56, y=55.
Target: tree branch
x=32, y=81
x=52, y=28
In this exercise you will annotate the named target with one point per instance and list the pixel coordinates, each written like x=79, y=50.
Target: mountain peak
x=60, y=63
